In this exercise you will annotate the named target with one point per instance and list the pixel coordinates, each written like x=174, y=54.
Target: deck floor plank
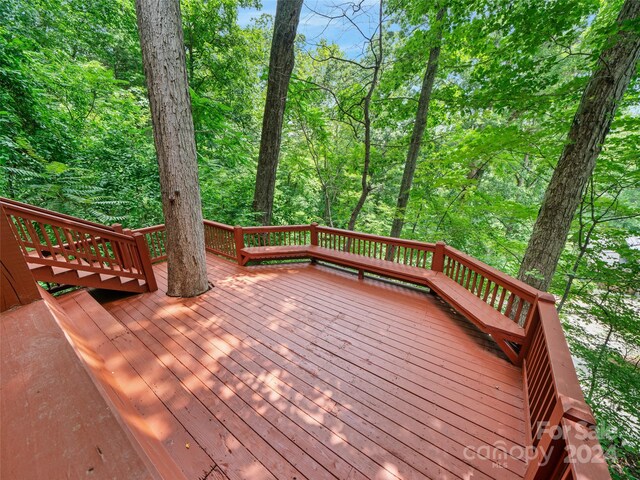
x=309, y=372
x=295, y=330
x=340, y=321
x=401, y=433
x=342, y=430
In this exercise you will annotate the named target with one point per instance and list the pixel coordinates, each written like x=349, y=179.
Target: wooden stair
x=81, y=278
x=67, y=250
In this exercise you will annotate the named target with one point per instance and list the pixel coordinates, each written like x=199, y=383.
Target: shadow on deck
x=304, y=371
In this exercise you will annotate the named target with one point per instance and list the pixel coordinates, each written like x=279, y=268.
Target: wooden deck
x=303, y=371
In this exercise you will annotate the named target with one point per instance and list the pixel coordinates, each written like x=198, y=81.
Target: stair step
x=68, y=275
x=96, y=329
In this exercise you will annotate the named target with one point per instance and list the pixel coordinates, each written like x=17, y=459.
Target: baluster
x=479, y=293
x=35, y=241
x=493, y=296
x=96, y=249
x=117, y=253
x=47, y=240
x=18, y=224
x=457, y=271
x=473, y=284
x=501, y=302
x=102, y=243
x=463, y=274
x=507, y=311
x=487, y=291
x=63, y=250
x=516, y=317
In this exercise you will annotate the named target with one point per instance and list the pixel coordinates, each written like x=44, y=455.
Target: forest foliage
x=75, y=136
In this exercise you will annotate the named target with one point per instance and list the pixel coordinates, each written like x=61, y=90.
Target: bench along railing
x=396, y=250
x=511, y=297
x=66, y=246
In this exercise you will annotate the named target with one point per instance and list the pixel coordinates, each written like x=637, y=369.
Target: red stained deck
x=304, y=371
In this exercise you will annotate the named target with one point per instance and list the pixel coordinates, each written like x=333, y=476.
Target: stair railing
x=61, y=241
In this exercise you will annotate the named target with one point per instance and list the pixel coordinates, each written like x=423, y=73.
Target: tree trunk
x=418, y=129
x=162, y=43
x=366, y=185
x=280, y=67
x=592, y=121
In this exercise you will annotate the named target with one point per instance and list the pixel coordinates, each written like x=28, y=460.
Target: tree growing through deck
x=161, y=39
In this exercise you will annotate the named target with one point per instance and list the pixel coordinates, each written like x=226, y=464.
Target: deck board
x=304, y=371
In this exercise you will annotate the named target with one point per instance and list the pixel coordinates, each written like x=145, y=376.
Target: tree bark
x=280, y=67
x=162, y=42
x=592, y=121
x=418, y=129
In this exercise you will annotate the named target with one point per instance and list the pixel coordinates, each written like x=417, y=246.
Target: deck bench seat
x=274, y=252
x=473, y=308
x=483, y=315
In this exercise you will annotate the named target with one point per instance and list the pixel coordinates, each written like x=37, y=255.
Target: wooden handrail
x=61, y=241
x=378, y=238
x=221, y=226
x=275, y=229
x=517, y=286
x=33, y=208
x=99, y=230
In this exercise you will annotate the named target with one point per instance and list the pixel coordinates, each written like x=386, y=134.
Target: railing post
x=437, y=262
x=145, y=261
x=117, y=227
x=238, y=237
x=18, y=285
x=126, y=254
x=313, y=228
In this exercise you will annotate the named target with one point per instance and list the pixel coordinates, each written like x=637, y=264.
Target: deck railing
x=507, y=295
x=61, y=241
x=219, y=239
x=396, y=250
x=560, y=426
x=286, y=235
x=156, y=242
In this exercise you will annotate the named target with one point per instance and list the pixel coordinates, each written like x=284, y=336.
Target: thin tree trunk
x=366, y=185
x=280, y=67
x=418, y=129
x=616, y=66
x=161, y=39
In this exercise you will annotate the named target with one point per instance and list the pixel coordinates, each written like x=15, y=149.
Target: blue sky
x=314, y=25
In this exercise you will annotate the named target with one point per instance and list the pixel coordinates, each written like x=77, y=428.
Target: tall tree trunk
x=366, y=185
x=607, y=85
x=418, y=129
x=162, y=43
x=280, y=67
